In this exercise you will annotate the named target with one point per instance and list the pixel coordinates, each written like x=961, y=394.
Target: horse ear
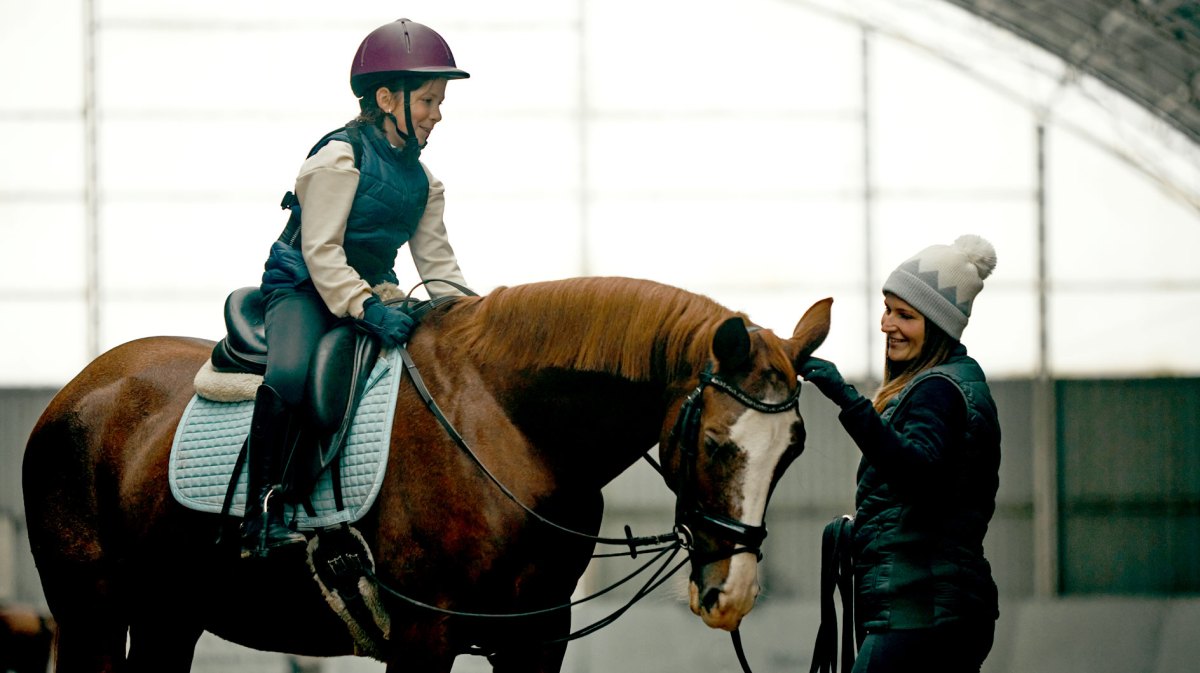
x=811, y=331
x=731, y=344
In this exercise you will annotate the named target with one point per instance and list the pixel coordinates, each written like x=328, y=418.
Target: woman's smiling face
x=904, y=327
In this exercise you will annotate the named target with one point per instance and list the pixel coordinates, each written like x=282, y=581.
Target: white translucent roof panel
x=189, y=248
x=125, y=318
x=517, y=155
x=933, y=128
x=1132, y=333
x=368, y=13
x=750, y=155
x=44, y=249
x=55, y=366
x=198, y=158
x=733, y=242
x=42, y=157
x=41, y=47
x=689, y=55
x=195, y=74
x=506, y=240
x=1109, y=224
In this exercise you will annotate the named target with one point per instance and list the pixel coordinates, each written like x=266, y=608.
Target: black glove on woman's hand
x=826, y=377
x=390, y=323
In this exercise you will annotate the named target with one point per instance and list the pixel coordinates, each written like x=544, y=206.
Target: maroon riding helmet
x=402, y=47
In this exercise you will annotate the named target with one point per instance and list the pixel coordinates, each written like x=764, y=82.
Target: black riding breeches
x=295, y=320
x=952, y=648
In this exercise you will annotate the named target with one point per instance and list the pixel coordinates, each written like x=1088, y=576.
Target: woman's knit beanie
x=941, y=281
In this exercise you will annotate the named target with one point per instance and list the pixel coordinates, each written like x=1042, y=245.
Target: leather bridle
x=689, y=513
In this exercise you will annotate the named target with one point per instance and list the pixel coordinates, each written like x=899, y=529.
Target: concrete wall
x=19, y=410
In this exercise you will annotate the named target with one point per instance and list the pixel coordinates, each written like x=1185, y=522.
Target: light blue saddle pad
x=210, y=436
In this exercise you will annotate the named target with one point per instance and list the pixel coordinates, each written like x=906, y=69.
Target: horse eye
x=719, y=450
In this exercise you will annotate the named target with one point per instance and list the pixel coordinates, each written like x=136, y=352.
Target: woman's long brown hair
x=896, y=375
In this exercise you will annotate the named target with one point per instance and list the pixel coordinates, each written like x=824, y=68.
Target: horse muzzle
x=724, y=584
x=722, y=599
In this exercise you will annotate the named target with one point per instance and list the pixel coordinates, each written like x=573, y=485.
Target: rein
x=629, y=540
x=688, y=511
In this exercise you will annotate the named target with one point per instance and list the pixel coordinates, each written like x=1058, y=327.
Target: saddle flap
x=333, y=372
x=338, y=375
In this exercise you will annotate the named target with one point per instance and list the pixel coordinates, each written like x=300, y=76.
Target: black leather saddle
x=340, y=369
x=244, y=348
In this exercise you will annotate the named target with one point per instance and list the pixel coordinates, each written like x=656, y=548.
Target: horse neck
x=591, y=425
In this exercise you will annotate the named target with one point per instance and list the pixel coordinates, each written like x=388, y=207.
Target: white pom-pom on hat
x=979, y=252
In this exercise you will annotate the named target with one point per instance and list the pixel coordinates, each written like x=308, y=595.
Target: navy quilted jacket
x=926, y=492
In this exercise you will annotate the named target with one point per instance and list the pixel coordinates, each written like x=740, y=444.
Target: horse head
x=736, y=432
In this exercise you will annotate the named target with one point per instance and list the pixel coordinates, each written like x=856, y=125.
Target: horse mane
x=637, y=329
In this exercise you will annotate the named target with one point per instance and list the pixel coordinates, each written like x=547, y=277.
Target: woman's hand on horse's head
x=826, y=377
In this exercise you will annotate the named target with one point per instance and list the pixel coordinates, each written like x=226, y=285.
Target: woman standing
x=924, y=593
x=361, y=195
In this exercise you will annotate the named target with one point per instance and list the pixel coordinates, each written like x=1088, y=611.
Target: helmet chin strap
x=409, y=134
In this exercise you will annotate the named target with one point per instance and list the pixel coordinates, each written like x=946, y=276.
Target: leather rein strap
x=423, y=391
x=837, y=572
x=686, y=433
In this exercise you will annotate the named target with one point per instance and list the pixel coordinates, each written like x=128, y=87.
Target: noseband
x=689, y=515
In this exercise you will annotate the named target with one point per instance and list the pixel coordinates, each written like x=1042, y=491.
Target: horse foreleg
x=162, y=644
x=536, y=656
x=89, y=646
x=421, y=664
x=537, y=659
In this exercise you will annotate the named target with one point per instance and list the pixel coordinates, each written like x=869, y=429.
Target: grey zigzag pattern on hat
x=942, y=281
x=930, y=278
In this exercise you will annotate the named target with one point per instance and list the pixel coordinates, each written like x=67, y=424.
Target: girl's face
x=424, y=105
x=904, y=327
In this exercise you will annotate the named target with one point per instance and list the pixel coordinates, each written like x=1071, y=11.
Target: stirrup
x=266, y=532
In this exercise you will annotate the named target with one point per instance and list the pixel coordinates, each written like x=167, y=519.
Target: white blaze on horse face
x=763, y=439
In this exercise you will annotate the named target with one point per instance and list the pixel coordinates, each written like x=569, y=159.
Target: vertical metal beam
x=584, y=120
x=91, y=198
x=1046, y=562
x=870, y=293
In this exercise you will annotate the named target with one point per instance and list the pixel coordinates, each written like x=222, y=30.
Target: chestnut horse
x=556, y=387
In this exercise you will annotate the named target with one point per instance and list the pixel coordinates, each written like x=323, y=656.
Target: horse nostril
x=710, y=599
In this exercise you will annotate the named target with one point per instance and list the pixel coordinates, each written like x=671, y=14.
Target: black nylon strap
x=231, y=489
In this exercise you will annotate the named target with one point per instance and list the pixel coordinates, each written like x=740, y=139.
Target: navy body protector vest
x=388, y=204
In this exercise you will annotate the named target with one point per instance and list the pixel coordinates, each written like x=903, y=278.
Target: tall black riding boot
x=263, y=530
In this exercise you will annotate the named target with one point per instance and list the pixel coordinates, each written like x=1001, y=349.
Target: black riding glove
x=390, y=323
x=826, y=377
